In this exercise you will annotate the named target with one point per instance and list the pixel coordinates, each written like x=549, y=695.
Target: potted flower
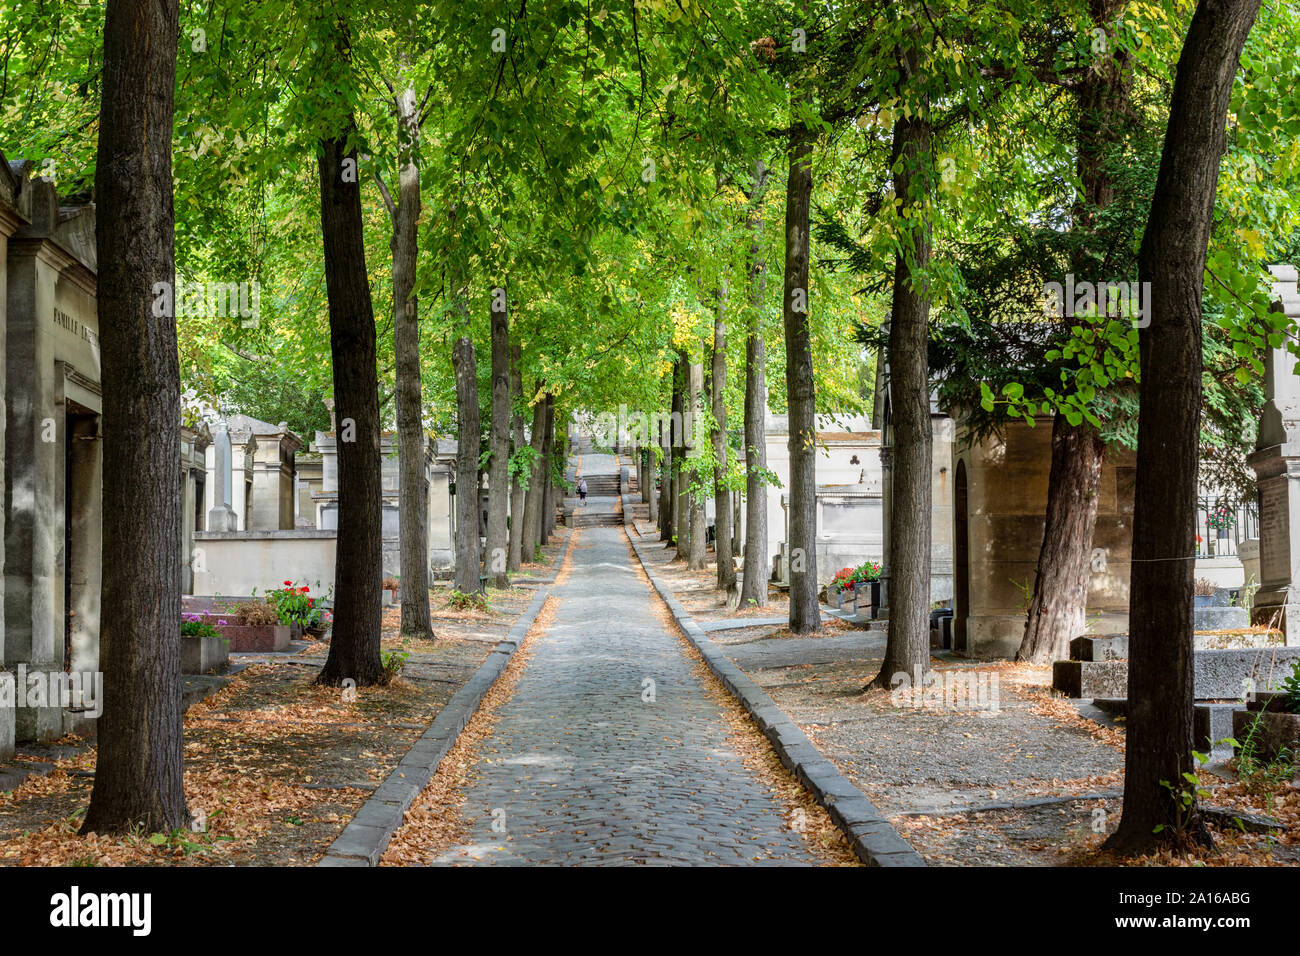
x=203, y=647
x=294, y=605
x=1203, y=591
x=862, y=582
x=391, y=585
x=1222, y=519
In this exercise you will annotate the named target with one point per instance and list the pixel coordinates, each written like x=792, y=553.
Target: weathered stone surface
x=7, y=726
x=1090, y=678
x=202, y=655
x=1227, y=675
x=1212, y=723
x=1110, y=648
x=1218, y=674
x=1219, y=618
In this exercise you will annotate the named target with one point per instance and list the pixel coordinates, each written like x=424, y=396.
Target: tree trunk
x=519, y=485
x=358, y=568
x=139, y=770
x=682, y=449
x=805, y=606
x=1172, y=259
x=546, y=523
x=1056, y=613
x=532, y=530
x=667, y=496
x=413, y=498
x=1060, y=600
x=753, y=584
x=721, y=496
x=907, y=650
x=697, y=524
x=498, y=533
x=469, y=557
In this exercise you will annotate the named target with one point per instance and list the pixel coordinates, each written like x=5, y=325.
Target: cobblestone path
x=592, y=764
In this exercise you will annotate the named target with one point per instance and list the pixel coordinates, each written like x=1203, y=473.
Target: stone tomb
x=51, y=447
x=999, y=493
x=1276, y=462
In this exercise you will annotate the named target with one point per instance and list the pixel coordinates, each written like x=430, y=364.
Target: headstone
x=222, y=517
x=1276, y=462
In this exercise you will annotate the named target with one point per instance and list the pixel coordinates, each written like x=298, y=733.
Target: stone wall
x=237, y=563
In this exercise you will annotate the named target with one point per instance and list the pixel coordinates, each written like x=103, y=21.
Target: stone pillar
x=1276, y=462
x=273, y=497
x=222, y=517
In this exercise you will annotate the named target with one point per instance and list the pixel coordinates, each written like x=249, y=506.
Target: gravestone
x=222, y=516
x=1276, y=462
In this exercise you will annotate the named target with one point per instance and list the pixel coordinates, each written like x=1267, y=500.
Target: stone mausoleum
x=50, y=445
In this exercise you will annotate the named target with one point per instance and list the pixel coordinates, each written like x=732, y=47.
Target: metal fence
x=1214, y=541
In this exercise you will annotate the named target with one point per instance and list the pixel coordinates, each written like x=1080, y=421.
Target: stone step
x=1218, y=674
x=1114, y=647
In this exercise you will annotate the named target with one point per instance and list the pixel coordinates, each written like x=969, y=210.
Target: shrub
x=394, y=661
x=294, y=604
x=257, y=613
x=460, y=601
x=1203, y=587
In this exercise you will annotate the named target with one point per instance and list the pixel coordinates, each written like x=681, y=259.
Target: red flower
x=288, y=583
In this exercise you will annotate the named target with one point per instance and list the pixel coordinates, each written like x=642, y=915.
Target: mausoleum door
x=81, y=538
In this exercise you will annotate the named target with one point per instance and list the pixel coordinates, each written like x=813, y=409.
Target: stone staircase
x=589, y=517
x=602, y=486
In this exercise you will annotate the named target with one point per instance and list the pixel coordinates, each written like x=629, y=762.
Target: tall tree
x=546, y=522
x=696, y=553
x=412, y=443
x=469, y=558
x=532, y=530
x=139, y=772
x=805, y=605
x=519, y=479
x=753, y=587
x=908, y=646
x=1158, y=753
x=721, y=495
x=663, y=475
x=1060, y=596
x=358, y=568
x=498, y=540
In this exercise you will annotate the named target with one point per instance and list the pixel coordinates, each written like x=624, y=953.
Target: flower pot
x=1202, y=600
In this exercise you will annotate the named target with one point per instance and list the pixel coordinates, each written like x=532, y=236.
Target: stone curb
x=367, y=835
x=873, y=839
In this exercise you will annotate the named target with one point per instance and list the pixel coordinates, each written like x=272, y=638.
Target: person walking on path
x=582, y=490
